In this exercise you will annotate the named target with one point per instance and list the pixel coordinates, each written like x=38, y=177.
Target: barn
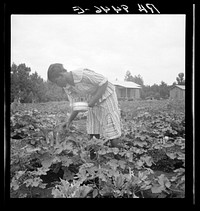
x=127, y=90
x=177, y=92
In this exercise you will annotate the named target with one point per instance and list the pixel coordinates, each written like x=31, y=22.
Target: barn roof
x=126, y=84
x=179, y=86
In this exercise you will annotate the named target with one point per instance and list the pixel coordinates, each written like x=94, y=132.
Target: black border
x=52, y=7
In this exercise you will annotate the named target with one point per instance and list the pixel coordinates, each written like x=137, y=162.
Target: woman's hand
x=90, y=104
x=100, y=91
x=66, y=125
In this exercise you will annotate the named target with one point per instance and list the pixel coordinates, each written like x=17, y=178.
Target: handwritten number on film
x=151, y=7
x=101, y=9
x=79, y=9
x=123, y=7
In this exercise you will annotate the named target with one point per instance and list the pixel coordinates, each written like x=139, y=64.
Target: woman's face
x=61, y=80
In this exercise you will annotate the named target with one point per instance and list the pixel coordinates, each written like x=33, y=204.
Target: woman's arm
x=100, y=91
x=72, y=117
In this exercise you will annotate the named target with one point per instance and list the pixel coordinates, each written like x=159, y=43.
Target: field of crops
x=47, y=162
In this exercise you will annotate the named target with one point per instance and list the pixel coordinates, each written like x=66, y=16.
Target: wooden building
x=127, y=90
x=177, y=92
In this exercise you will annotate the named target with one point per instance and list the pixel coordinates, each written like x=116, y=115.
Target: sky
x=152, y=46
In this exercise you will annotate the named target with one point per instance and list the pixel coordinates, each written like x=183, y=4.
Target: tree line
x=30, y=88
x=155, y=91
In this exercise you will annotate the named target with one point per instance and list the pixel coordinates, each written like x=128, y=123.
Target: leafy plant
x=70, y=190
x=153, y=138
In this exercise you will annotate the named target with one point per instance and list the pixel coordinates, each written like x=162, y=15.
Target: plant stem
x=175, y=190
x=30, y=191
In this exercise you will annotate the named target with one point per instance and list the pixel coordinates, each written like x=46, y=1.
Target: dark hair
x=54, y=71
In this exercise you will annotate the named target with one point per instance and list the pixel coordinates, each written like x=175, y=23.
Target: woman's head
x=57, y=74
x=54, y=71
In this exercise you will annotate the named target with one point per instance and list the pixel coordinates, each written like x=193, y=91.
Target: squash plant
x=152, y=137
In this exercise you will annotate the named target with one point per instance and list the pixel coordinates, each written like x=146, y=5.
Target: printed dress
x=104, y=117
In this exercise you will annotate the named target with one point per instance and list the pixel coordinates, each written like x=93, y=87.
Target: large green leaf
x=157, y=189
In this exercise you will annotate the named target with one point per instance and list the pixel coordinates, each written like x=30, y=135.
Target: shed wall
x=177, y=93
x=128, y=93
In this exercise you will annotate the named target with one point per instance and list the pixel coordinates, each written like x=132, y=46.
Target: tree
x=154, y=88
x=157, y=95
x=156, y=91
x=136, y=79
x=38, y=87
x=20, y=83
x=163, y=90
x=128, y=76
x=145, y=91
x=32, y=88
x=180, y=79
